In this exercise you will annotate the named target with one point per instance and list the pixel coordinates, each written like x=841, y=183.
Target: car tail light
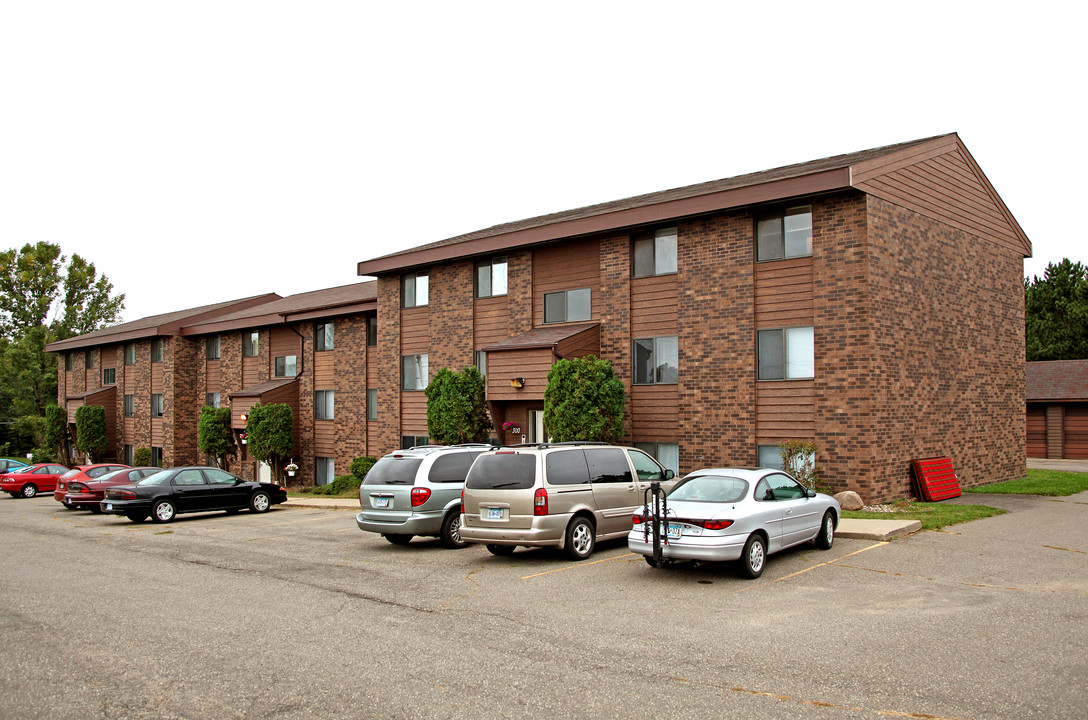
x=76, y=487
x=636, y=519
x=420, y=495
x=715, y=524
x=126, y=494
x=540, y=502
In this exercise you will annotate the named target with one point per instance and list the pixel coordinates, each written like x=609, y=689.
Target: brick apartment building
x=870, y=302
x=1057, y=409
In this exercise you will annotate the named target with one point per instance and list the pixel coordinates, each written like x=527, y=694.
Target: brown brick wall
x=388, y=352
x=351, y=360
x=183, y=393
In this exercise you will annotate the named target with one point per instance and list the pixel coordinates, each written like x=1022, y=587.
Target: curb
x=880, y=530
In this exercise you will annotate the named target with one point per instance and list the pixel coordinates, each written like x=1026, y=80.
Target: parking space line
x=581, y=564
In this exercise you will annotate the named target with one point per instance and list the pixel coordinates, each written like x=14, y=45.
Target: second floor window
x=324, y=404
x=250, y=344
x=157, y=349
x=654, y=254
x=286, y=366
x=491, y=278
x=324, y=337
x=88, y=360
x=156, y=405
x=130, y=354
x=414, y=290
x=785, y=235
x=372, y=331
x=414, y=372
x=786, y=354
x=69, y=363
x=568, y=306
x=109, y=376
x=211, y=349
x=371, y=404
x=656, y=361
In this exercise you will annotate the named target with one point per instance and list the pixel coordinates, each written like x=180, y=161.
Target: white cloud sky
x=204, y=151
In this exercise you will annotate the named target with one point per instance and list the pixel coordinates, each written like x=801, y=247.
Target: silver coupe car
x=725, y=514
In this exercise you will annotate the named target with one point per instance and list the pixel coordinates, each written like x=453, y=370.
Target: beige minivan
x=568, y=495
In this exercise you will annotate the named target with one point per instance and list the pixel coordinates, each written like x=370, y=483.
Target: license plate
x=494, y=513
x=108, y=506
x=381, y=502
x=673, y=531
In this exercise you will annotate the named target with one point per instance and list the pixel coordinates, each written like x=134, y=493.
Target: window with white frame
x=109, y=376
x=325, y=469
x=286, y=366
x=568, y=305
x=211, y=348
x=414, y=372
x=414, y=290
x=654, y=253
x=324, y=404
x=787, y=234
x=156, y=405
x=491, y=278
x=481, y=362
x=371, y=404
x=250, y=344
x=212, y=399
x=656, y=361
x=407, y=441
x=324, y=337
x=786, y=353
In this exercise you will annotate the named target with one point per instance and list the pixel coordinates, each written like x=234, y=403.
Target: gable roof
x=1056, y=380
x=325, y=303
x=157, y=325
x=883, y=171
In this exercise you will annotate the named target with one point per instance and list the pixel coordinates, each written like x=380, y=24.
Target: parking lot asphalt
x=295, y=613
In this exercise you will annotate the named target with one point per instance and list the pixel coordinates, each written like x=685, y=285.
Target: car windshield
x=710, y=488
x=162, y=477
x=392, y=470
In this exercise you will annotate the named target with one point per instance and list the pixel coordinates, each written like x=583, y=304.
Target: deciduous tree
x=584, y=400
x=456, y=407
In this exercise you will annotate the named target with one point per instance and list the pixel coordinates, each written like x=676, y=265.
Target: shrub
x=360, y=466
x=456, y=407
x=214, y=435
x=799, y=459
x=584, y=400
x=142, y=457
x=270, y=431
x=91, y=438
x=339, y=485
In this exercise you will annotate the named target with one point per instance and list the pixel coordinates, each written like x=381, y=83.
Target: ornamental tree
x=91, y=438
x=584, y=400
x=214, y=435
x=56, y=433
x=456, y=407
x=270, y=434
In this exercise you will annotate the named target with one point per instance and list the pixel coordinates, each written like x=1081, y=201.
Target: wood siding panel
x=568, y=266
x=1055, y=431
x=283, y=342
x=655, y=413
x=156, y=377
x=653, y=306
x=1076, y=432
x=946, y=188
x=251, y=371
x=783, y=293
x=1037, y=431
x=580, y=345
x=415, y=331
x=413, y=413
x=533, y=365
x=158, y=437
x=324, y=371
x=212, y=376
x=785, y=410
x=74, y=405
x=490, y=321
x=325, y=444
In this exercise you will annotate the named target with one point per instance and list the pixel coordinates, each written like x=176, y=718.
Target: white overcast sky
x=204, y=151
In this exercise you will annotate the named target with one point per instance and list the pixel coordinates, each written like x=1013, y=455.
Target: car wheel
x=399, y=539
x=826, y=537
x=754, y=556
x=14, y=494
x=502, y=550
x=580, y=539
x=163, y=511
x=451, y=531
x=29, y=490
x=135, y=517
x=259, y=502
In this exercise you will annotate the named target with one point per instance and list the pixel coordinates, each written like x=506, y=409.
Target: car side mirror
x=810, y=493
x=669, y=474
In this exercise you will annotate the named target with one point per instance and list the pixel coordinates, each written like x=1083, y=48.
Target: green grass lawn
x=1053, y=483
x=933, y=516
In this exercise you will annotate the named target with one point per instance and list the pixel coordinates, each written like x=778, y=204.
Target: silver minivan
x=566, y=495
x=417, y=491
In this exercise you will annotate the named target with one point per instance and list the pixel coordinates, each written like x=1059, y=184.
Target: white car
x=725, y=514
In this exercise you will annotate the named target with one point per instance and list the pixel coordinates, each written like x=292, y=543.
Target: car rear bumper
x=546, y=531
x=414, y=524
x=711, y=549
x=81, y=499
x=124, y=507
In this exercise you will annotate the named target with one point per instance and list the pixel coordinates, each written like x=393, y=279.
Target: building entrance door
x=536, y=427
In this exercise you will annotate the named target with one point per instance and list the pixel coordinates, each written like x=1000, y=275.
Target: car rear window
x=566, y=467
x=393, y=471
x=502, y=471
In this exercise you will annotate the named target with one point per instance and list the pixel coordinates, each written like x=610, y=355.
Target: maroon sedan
x=87, y=494
x=82, y=473
x=29, y=481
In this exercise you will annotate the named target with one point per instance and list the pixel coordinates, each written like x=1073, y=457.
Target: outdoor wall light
x=245, y=417
x=517, y=383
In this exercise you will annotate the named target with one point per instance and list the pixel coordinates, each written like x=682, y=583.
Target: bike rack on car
x=655, y=511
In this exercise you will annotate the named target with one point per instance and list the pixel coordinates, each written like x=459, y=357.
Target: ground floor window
x=325, y=469
x=769, y=457
x=156, y=456
x=407, y=441
x=211, y=399
x=668, y=454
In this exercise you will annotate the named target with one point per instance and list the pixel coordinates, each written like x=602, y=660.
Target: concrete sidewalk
x=881, y=530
